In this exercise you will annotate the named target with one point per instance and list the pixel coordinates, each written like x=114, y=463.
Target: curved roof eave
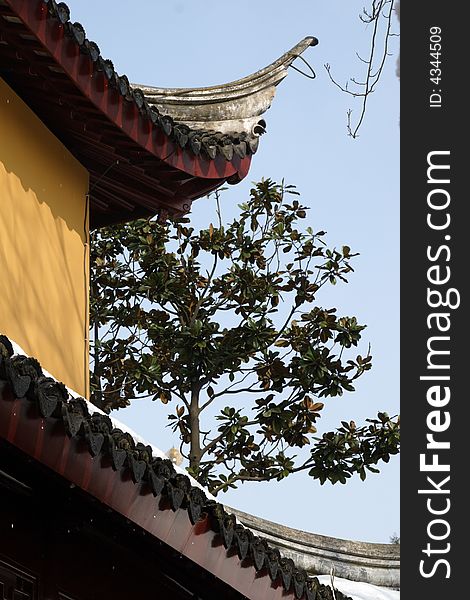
x=159, y=162
x=96, y=77
x=38, y=416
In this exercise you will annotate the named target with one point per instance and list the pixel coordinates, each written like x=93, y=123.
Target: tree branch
x=375, y=16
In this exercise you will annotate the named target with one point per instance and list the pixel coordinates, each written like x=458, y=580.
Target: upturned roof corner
x=230, y=108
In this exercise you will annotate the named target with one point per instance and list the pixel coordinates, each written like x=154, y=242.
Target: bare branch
x=380, y=11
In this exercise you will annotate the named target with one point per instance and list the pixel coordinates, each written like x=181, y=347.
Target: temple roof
x=39, y=417
x=148, y=150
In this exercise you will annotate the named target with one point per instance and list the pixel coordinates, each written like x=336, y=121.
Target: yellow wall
x=44, y=267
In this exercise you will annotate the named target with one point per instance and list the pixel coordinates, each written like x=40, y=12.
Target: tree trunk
x=98, y=395
x=195, y=449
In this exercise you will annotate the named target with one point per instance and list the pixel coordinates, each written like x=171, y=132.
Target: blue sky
x=351, y=187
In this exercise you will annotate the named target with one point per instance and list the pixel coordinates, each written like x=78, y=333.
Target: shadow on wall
x=43, y=302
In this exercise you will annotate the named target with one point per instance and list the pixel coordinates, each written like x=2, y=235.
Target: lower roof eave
x=38, y=417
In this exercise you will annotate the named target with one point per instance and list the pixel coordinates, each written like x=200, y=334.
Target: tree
x=229, y=312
